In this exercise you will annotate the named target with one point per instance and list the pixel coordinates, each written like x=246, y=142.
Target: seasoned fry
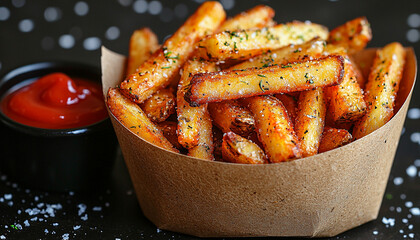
x=245, y=44
x=168, y=129
x=143, y=43
x=231, y=116
x=333, y=138
x=159, y=70
x=237, y=149
x=134, y=119
x=217, y=143
x=292, y=53
x=274, y=128
x=361, y=80
x=381, y=89
x=225, y=85
x=190, y=118
x=160, y=105
x=256, y=17
x=310, y=120
x=346, y=101
x=353, y=35
x=290, y=103
x=204, y=148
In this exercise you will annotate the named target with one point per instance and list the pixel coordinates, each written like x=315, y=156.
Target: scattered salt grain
x=1, y=199
x=85, y=217
x=415, y=211
x=411, y=235
x=26, y=222
x=82, y=208
x=107, y=204
x=36, y=198
x=65, y=236
x=46, y=231
x=71, y=193
x=398, y=181
x=403, y=196
x=19, y=211
x=2, y=237
x=76, y=227
x=34, y=219
x=10, y=203
x=7, y=196
x=55, y=224
x=401, y=231
x=404, y=220
x=388, y=221
x=417, y=163
x=409, y=204
x=97, y=209
x=411, y=171
x=399, y=209
x=375, y=232
x=18, y=226
x=158, y=230
x=410, y=226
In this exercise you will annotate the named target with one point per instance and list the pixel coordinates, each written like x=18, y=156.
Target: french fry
x=346, y=101
x=168, y=129
x=333, y=138
x=245, y=44
x=143, y=43
x=290, y=103
x=292, y=53
x=231, y=116
x=361, y=80
x=134, y=119
x=217, y=143
x=274, y=128
x=353, y=35
x=204, y=148
x=310, y=120
x=160, y=105
x=381, y=89
x=237, y=149
x=257, y=17
x=226, y=85
x=190, y=118
x=163, y=66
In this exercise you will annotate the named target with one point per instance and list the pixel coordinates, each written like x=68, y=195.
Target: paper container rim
x=349, y=145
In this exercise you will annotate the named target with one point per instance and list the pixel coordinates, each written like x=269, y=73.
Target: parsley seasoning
x=165, y=67
x=286, y=66
x=260, y=75
x=264, y=86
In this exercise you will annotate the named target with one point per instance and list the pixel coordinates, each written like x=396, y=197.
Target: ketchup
x=56, y=101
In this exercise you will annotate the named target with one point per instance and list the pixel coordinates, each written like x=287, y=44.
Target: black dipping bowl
x=76, y=159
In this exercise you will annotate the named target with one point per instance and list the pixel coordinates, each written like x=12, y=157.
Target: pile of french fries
x=248, y=90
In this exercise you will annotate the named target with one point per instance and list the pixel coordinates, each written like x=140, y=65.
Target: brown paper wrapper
x=318, y=196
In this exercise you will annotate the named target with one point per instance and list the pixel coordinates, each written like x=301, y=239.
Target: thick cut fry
x=225, y=85
x=134, y=119
x=205, y=148
x=158, y=72
x=346, y=101
x=168, y=129
x=353, y=35
x=333, y=138
x=256, y=17
x=274, y=128
x=160, y=105
x=237, y=149
x=310, y=120
x=245, y=44
x=293, y=53
x=381, y=89
x=190, y=118
x=143, y=43
x=290, y=103
x=231, y=116
x=217, y=143
x=361, y=80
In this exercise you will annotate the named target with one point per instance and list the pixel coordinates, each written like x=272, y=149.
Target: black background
x=120, y=216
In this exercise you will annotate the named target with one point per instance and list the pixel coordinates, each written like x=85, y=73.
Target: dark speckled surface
x=32, y=31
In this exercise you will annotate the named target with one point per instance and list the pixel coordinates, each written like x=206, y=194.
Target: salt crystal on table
x=411, y=171
x=46, y=231
x=7, y=196
x=401, y=231
x=410, y=226
x=398, y=181
x=415, y=211
x=417, y=163
x=26, y=222
x=375, y=232
x=399, y=209
x=409, y=204
x=97, y=209
x=65, y=236
x=388, y=221
x=55, y=224
x=19, y=211
x=36, y=198
x=1, y=199
x=85, y=217
x=10, y=203
x=76, y=227
x=404, y=220
x=411, y=235
x=403, y=196
x=2, y=237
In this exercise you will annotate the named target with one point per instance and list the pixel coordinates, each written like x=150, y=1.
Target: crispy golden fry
x=190, y=118
x=160, y=105
x=134, y=119
x=293, y=53
x=353, y=35
x=361, y=80
x=231, y=116
x=333, y=138
x=205, y=148
x=168, y=129
x=143, y=43
x=346, y=101
x=225, y=85
x=290, y=103
x=159, y=70
x=256, y=17
x=274, y=128
x=237, y=149
x=310, y=120
x=381, y=89
x=217, y=143
x=245, y=44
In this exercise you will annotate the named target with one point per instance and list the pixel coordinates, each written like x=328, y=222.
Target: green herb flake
x=260, y=75
x=165, y=67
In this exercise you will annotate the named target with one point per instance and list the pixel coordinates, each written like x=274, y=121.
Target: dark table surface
x=32, y=31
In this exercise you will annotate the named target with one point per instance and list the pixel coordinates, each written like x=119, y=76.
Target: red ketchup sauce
x=56, y=101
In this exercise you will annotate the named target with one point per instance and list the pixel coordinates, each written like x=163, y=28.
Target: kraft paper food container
x=318, y=196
